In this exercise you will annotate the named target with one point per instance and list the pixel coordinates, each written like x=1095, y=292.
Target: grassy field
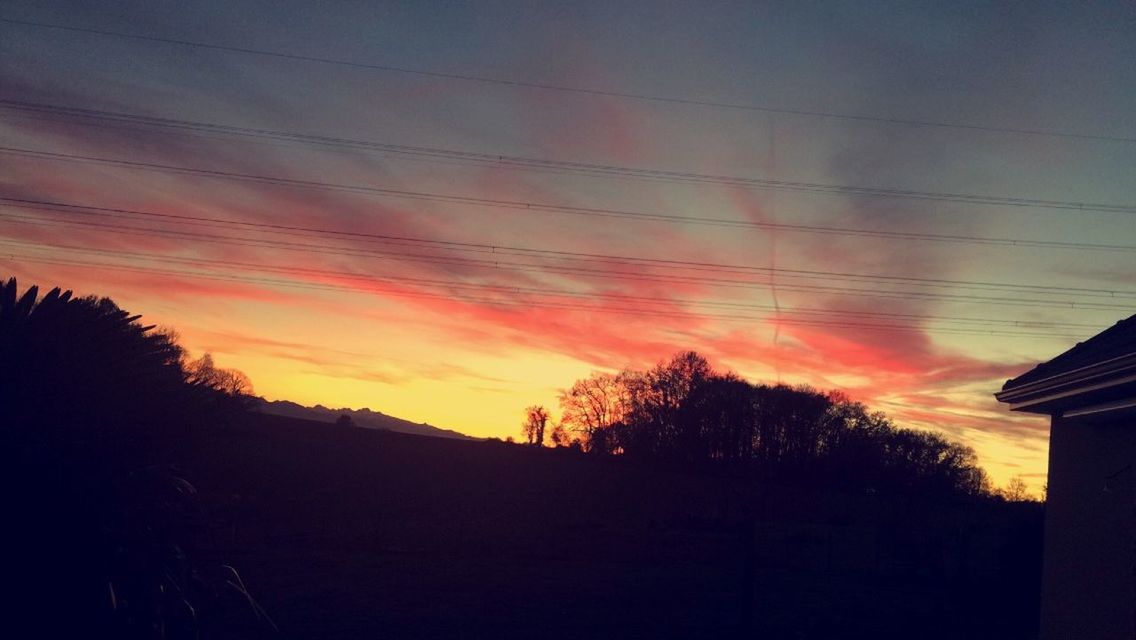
x=354, y=533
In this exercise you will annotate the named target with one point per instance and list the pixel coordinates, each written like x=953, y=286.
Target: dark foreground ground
x=350, y=533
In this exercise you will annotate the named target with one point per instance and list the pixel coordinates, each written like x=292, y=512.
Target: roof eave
x=1070, y=389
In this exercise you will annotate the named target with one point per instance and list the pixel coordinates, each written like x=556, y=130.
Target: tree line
x=683, y=412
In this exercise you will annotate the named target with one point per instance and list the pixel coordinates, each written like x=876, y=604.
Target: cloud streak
x=402, y=324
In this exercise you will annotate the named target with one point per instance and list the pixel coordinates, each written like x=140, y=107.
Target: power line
x=529, y=304
x=511, y=250
x=858, y=232
x=612, y=171
x=537, y=290
x=458, y=284
x=643, y=97
x=497, y=264
x=531, y=206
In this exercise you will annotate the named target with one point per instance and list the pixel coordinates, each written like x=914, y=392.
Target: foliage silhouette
x=683, y=412
x=560, y=436
x=203, y=373
x=93, y=408
x=536, y=419
x=592, y=407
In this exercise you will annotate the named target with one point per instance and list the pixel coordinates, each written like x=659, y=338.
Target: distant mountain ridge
x=364, y=418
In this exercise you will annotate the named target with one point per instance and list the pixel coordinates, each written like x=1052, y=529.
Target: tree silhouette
x=1016, y=490
x=722, y=412
x=560, y=436
x=661, y=411
x=681, y=411
x=202, y=372
x=591, y=407
x=536, y=419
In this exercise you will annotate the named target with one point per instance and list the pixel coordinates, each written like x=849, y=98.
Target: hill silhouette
x=147, y=499
x=350, y=533
x=365, y=418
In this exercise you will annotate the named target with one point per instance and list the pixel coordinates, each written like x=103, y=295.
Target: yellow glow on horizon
x=484, y=397
x=352, y=352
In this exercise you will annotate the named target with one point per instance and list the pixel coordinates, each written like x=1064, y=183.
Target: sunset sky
x=449, y=212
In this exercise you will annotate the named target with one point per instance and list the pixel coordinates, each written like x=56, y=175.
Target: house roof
x=1117, y=340
x=1096, y=376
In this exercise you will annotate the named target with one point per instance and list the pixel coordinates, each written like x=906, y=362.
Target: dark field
x=352, y=533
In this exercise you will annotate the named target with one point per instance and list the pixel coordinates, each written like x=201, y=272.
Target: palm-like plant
x=67, y=361
x=90, y=401
x=15, y=310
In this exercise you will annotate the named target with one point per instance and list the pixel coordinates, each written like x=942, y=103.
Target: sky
x=449, y=211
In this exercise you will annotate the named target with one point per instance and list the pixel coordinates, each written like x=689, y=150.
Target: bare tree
x=536, y=418
x=591, y=406
x=1016, y=490
x=203, y=372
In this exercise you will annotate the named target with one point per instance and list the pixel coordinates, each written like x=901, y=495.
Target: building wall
x=1089, y=573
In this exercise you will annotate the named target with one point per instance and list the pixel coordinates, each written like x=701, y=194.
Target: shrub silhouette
x=93, y=405
x=67, y=361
